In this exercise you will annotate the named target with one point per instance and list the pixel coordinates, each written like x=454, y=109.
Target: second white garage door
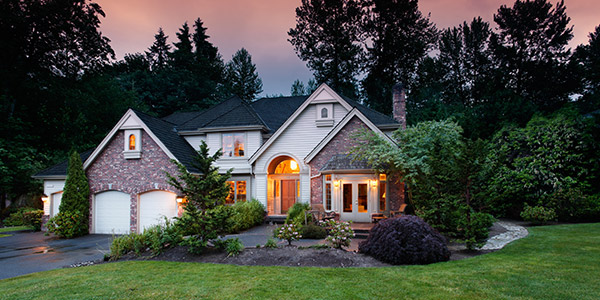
x=111, y=212
x=154, y=206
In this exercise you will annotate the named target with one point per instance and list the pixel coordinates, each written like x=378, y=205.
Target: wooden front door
x=288, y=194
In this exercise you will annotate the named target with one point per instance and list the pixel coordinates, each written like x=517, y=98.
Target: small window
x=237, y=192
x=327, y=190
x=382, y=192
x=131, y=142
x=233, y=144
x=324, y=113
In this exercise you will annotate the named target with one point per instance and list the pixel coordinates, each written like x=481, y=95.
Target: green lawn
x=15, y=228
x=553, y=262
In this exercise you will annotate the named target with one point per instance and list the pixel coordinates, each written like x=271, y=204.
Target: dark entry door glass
x=347, y=197
x=362, y=198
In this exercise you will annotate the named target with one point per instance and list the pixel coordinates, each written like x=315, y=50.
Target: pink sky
x=261, y=27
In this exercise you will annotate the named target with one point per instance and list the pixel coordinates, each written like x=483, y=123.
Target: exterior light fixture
x=180, y=199
x=374, y=183
x=336, y=183
x=293, y=165
x=45, y=198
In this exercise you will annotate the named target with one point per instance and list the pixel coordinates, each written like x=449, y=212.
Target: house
x=282, y=150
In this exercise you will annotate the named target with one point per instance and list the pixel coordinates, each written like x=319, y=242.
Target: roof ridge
x=253, y=112
x=202, y=113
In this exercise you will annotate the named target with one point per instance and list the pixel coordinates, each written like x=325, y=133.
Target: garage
x=111, y=212
x=154, y=206
x=56, y=198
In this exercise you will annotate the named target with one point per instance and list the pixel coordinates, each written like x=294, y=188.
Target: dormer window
x=132, y=146
x=324, y=115
x=132, y=142
x=234, y=144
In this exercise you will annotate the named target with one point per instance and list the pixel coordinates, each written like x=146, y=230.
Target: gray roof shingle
x=60, y=169
x=344, y=162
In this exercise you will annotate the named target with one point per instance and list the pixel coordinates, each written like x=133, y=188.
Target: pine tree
x=400, y=38
x=183, y=55
x=77, y=190
x=327, y=37
x=158, y=53
x=298, y=88
x=242, y=77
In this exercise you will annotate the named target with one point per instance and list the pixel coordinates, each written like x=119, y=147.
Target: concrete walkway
x=514, y=232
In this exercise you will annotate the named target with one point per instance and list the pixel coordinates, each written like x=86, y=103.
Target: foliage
x=538, y=214
x=77, y=190
x=571, y=204
x=241, y=76
x=339, y=234
x=288, y=232
x=405, y=240
x=155, y=238
x=326, y=36
x=234, y=247
x=203, y=226
x=271, y=244
x=247, y=214
x=476, y=228
x=68, y=224
x=206, y=188
x=25, y=216
x=587, y=58
x=531, y=163
x=313, y=231
x=296, y=214
x=390, y=29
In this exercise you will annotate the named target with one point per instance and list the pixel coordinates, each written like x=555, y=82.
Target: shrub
x=68, y=224
x=589, y=210
x=271, y=244
x=33, y=218
x=538, y=214
x=339, y=234
x=477, y=230
x=405, y=240
x=234, y=247
x=313, y=231
x=28, y=216
x=247, y=215
x=571, y=204
x=155, y=238
x=204, y=226
x=288, y=232
x=296, y=214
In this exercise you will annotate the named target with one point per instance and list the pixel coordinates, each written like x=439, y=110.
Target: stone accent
x=342, y=143
x=112, y=172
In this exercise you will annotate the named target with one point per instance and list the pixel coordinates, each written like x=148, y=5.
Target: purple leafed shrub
x=406, y=240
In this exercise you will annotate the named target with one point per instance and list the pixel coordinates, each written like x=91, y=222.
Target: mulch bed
x=293, y=256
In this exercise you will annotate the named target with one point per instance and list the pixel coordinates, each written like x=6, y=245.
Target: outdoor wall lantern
x=336, y=183
x=45, y=198
x=180, y=199
x=374, y=183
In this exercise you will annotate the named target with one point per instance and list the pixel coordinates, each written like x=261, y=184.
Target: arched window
x=131, y=142
x=324, y=113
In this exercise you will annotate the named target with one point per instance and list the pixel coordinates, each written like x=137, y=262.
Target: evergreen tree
x=183, y=55
x=158, y=53
x=327, y=37
x=298, y=88
x=77, y=191
x=400, y=37
x=530, y=49
x=587, y=58
x=242, y=77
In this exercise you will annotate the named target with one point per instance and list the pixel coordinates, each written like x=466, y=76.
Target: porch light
x=374, y=183
x=293, y=165
x=336, y=183
x=45, y=198
x=180, y=199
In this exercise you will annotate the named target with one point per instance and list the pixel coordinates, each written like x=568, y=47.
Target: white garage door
x=56, y=198
x=111, y=212
x=154, y=206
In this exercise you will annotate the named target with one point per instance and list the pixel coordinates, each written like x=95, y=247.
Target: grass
x=15, y=228
x=5, y=235
x=553, y=262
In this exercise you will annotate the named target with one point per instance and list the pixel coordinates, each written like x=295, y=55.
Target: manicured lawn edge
x=15, y=228
x=553, y=262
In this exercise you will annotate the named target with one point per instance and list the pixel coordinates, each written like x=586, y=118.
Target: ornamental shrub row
x=246, y=215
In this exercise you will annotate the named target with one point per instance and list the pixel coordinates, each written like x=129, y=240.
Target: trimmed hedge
x=405, y=240
x=247, y=215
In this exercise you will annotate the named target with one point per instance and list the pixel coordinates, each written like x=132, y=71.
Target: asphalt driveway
x=30, y=252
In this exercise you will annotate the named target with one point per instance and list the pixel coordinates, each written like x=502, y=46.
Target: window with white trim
x=327, y=192
x=237, y=192
x=234, y=144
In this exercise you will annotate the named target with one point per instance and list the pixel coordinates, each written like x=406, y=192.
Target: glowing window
x=327, y=192
x=237, y=192
x=287, y=166
x=233, y=145
x=131, y=142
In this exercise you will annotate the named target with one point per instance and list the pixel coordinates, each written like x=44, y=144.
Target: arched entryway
x=283, y=184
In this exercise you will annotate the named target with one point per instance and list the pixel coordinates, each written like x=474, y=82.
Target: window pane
x=327, y=177
x=347, y=197
x=241, y=191
x=239, y=145
x=231, y=197
x=328, y=196
x=132, y=142
x=324, y=113
x=381, y=195
x=382, y=177
x=227, y=145
x=362, y=198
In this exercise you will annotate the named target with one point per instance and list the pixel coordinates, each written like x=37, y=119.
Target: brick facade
x=342, y=143
x=112, y=172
